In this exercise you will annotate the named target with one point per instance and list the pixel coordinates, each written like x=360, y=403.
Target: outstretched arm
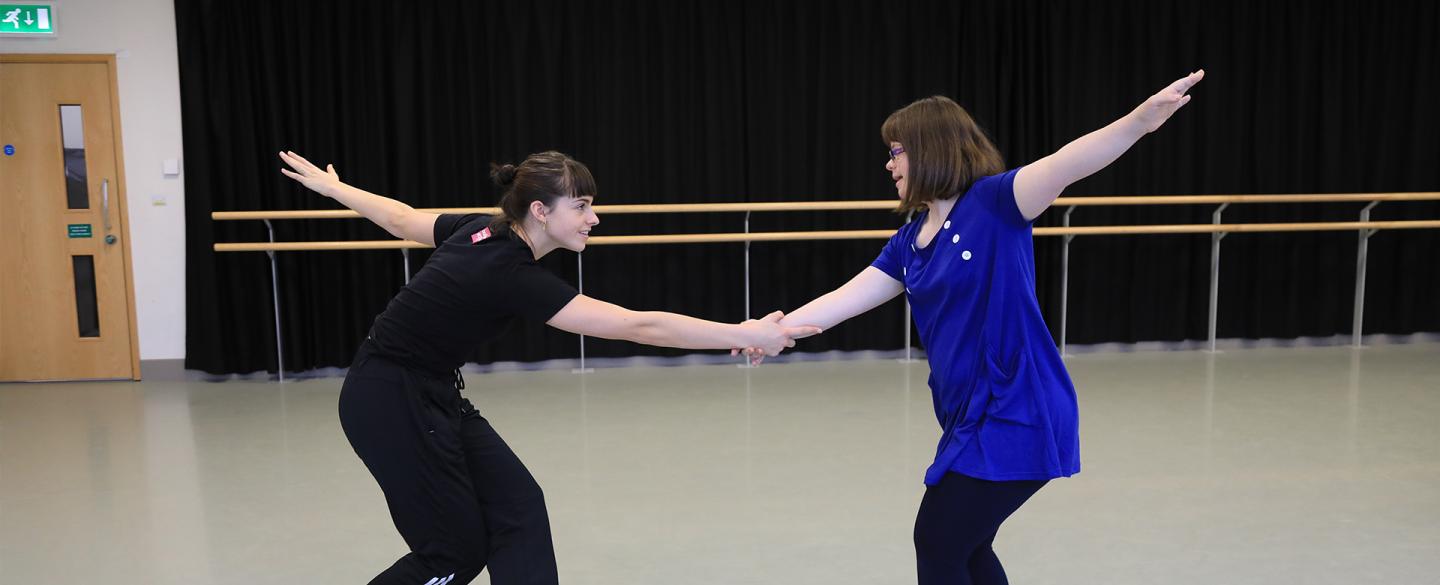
x=597, y=318
x=867, y=290
x=401, y=220
x=1039, y=183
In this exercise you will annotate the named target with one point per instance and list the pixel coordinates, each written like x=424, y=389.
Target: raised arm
x=1039, y=183
x=401, y=220
x=588, y=316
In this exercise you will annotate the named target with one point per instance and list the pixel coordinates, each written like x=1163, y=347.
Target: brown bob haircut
x=947, y=150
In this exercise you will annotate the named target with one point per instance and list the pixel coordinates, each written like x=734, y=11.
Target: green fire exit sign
x=27, y=19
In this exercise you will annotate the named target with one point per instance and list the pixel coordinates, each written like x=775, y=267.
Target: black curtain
x=782, y=101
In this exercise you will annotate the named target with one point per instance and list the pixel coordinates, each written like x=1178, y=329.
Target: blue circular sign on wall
x=9, y=150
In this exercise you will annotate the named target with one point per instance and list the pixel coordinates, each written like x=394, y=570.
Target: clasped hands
x=769, y=337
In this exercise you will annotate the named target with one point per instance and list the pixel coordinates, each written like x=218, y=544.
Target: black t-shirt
x=469, y=291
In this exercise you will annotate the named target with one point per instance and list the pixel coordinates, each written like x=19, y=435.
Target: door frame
x=122, y=207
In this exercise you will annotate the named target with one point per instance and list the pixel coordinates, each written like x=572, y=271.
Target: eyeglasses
x=896, y=152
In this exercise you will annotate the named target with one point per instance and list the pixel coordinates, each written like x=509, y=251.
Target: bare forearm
x=384, y=211
x=1094, y=151
x=674, y=330
x=597, y=318
x=867, y=290
x=1038, y=184
x=823, y=312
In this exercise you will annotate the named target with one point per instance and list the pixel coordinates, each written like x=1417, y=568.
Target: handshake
x=767, y=336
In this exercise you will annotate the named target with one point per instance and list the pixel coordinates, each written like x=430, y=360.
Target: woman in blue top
x=1004, y=401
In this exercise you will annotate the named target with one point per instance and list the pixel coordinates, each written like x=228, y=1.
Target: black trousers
x=458, y=495
x=956, y=528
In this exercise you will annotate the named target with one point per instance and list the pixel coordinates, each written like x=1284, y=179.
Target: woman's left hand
x=1156, y=110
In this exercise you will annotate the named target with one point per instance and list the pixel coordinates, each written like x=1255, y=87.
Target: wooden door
x=66, y=306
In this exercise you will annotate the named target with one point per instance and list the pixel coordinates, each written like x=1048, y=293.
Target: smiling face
x=548, y=198
x=899, y=167
x=568, y=222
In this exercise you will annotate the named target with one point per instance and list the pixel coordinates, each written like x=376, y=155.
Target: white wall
x=141, y=34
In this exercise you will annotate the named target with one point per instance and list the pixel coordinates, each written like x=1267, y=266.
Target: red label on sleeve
x=476, y=237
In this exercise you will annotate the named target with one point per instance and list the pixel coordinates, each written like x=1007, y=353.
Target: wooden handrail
x=1208, y=228
x=863, y=205
x=328, y=213
x=1364, y=228
x=1217, y=199
x=868, y=234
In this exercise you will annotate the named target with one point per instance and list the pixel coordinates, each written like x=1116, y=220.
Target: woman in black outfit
x=457, y=493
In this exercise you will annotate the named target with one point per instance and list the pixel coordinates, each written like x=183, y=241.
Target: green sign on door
x=27, y=19
x=79, y=230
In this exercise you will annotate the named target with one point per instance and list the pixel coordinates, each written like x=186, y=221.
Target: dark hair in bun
x=544, y=177
x=503, y=175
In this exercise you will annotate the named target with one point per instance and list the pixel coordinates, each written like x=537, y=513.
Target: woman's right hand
x=770, y=338
x=325, y=182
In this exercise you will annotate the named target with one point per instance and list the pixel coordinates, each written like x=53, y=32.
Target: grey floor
x=1300, y=465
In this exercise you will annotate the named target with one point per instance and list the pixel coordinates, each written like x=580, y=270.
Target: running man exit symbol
x=26, y=19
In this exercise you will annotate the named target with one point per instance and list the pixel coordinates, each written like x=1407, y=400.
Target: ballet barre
x=1364, y=227
x=888, y=204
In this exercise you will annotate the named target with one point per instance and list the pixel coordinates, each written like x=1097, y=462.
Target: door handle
x=105, y=202
x=105, y=209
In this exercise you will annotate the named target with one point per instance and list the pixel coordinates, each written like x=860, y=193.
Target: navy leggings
x=956, y=527
x=459, y=496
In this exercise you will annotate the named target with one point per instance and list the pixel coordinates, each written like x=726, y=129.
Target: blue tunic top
x=1001, y=391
